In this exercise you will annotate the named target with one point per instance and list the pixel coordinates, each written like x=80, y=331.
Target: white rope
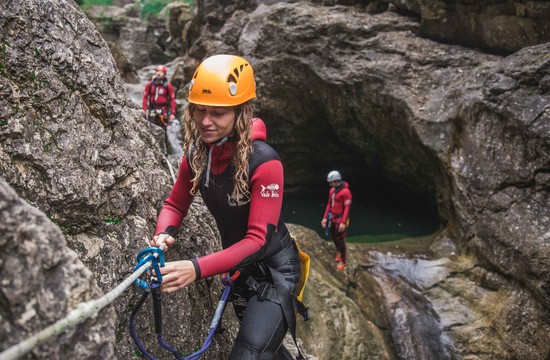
x=77, y=315
x=171, y=170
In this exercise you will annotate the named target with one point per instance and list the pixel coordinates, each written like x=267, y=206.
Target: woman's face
x=214, y=122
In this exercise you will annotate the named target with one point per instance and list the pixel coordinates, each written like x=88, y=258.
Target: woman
x=240, y=179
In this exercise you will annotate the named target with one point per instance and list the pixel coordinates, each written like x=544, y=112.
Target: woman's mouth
x=208, y=131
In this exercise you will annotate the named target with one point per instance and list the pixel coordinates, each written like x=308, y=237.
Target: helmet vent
x=232, y=84
x=232, y=88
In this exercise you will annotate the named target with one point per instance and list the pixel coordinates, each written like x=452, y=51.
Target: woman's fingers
x=177, y=275
x=160, y=239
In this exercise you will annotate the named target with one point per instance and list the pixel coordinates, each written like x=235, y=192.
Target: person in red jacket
x=336, y=217
x=240, y=179
x=159, y=100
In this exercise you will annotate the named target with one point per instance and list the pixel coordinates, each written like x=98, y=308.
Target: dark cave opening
x=381, y=209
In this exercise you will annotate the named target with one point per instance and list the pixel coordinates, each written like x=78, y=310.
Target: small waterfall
x=173, y=139
x=417, y=330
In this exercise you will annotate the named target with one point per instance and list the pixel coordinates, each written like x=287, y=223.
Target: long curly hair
x=194, y=145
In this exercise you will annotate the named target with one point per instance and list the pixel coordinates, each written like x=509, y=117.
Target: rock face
x=73, y=145
x=141, y=42
x=42, y=280
x=347, y=318
x=497, y=25
x=465, y=129
x=338, y=87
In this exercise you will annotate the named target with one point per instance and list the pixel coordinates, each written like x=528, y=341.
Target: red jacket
x=247, y=238
x=159, y=96
x=339, y=202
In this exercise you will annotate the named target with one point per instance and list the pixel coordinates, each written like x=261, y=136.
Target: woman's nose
x=207, y=119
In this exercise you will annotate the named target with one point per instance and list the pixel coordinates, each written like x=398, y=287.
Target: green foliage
x=89, y=3
x=152, y=7
x=147, y=7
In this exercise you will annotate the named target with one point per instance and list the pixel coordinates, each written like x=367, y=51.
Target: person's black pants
x=263, y=325
x=339, y=239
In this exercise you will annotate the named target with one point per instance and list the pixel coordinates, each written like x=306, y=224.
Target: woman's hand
x=177, y=275
x=341, y=227
x=324, y=222
x=160, y=239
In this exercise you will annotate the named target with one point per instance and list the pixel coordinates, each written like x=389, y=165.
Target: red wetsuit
x=339, y=202
x=159, y=94
x=254, y=240
x=248, y=231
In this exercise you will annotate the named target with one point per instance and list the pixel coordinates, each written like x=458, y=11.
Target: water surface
x=370, y=221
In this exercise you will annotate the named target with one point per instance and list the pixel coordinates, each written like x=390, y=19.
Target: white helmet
x=334, y=176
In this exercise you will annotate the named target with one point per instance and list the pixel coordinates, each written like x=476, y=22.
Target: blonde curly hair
x=193, y=144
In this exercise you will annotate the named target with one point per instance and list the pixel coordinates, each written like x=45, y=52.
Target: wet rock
x=347, y=320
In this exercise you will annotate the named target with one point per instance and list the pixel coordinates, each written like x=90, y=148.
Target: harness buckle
x=228, y=279
x=261, y=289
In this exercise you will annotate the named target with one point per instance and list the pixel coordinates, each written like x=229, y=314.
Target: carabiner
x=143, y=257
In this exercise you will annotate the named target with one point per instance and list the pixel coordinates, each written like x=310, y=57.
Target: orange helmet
x=222, y=80
x=161, y=68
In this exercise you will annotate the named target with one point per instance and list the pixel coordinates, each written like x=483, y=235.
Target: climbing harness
x=279, y=293
x=160, y=117
x=153, y=287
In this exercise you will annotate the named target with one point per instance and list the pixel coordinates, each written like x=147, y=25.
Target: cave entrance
x=381, y=211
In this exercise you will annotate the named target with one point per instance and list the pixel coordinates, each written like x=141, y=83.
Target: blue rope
x=148, y=255
x=168, y=347
x=133, y=330
x=215, y=321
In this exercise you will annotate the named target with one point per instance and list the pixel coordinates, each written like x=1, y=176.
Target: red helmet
x=161, y=68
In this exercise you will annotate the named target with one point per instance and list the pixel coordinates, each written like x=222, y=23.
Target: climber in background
x=336, y=216
x=159, y=100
